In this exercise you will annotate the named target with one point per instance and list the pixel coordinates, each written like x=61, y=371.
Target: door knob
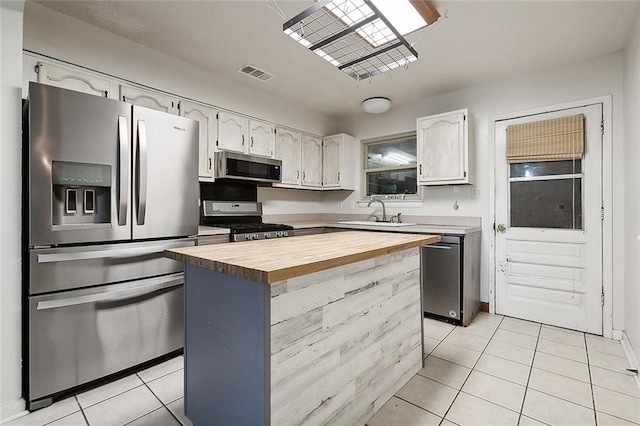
x=501, y=227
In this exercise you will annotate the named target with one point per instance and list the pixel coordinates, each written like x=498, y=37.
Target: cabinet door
x=332, y=162
x=443, y=149
x=311, y=161
x=72, y=79
x=261, y=138
x=206, y=117
x=232, y=132
x=148, y=99
x=288, y=149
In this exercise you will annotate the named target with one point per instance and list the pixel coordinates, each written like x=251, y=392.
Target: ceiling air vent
x=254, y=72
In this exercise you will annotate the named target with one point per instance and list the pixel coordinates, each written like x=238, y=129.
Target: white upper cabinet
x=148, y=99
x=339, y=162
x=288, y=149
x=206, y=117
x=71, y=79
x=311, y=161
x=232, y=132
x=261, y=138
x=443, y=148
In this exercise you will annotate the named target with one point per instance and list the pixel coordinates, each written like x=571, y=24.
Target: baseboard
x=631, y=356
x=484, y=307
x=13, y=411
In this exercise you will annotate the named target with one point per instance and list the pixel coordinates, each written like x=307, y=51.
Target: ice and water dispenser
x=81, y=193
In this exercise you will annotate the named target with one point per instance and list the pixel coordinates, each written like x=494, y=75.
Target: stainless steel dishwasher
x=441, y=273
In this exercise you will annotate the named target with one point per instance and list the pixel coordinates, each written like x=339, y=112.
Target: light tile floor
x=502, y=370
x=496, y=371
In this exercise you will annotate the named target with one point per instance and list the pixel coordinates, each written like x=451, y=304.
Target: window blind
x=547, y=140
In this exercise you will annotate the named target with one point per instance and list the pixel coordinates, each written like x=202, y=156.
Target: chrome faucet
x=384, y=211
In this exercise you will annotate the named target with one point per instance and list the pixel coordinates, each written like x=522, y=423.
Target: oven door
x=82, y=335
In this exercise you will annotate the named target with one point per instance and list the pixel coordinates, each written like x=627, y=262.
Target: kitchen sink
x=381, y=224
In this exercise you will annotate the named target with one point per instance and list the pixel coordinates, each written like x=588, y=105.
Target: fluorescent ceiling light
x=400, y=13
x=360, y=37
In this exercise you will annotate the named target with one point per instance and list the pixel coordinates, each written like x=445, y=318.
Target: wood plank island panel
x=270, y=261
x=344, y=340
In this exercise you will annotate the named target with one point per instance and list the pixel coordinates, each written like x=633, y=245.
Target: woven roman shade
x=547, y=140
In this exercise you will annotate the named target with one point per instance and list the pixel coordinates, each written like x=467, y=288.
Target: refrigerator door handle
x=99, y=254
x=110, y=296
x=123, y=168
x=142, y=171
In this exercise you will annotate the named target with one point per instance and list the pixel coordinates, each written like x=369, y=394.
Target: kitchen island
x=306, y=330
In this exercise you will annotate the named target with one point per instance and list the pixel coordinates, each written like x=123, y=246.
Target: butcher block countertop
x=270, y=261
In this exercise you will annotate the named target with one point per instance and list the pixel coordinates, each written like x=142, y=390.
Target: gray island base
x=327, y=347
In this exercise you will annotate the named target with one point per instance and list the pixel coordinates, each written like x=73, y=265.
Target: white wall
x=52, y=34
x=632, y=184
x=601, y=76
x=10, y=273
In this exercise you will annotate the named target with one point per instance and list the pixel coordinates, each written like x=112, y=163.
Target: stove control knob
x=285, y=233
x=254, y=236
x=267, y=235
x=247, y=237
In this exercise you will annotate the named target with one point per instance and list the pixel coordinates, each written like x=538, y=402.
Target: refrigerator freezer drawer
x=79, y=336
x=72, y=267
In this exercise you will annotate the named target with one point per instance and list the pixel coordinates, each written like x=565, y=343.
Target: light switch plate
x=477, y=191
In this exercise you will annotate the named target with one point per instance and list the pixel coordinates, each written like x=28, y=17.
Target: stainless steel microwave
x=233, y=165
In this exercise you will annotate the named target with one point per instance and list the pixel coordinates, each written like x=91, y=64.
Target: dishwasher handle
x=438, y=247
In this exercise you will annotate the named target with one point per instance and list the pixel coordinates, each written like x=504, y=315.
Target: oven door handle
x=112, y=296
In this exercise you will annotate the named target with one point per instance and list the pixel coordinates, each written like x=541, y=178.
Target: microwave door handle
x=142, y=171
x=112, y=296
x=123, y=170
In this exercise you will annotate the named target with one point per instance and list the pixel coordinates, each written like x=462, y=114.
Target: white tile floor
x=495, y=371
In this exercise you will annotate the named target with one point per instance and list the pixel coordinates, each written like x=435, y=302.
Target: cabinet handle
x=242, y=140
x=420, y=169
x=298, y=177
x=303, y=176
x=338, y=176
x=209, y=163
x=251, y=141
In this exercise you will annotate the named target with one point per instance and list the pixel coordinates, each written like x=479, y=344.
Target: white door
x=548, y=221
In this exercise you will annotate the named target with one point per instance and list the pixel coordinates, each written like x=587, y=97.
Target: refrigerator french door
x=109, y=186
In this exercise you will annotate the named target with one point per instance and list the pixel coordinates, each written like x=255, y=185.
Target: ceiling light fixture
x=376, y=105
x=362, y=37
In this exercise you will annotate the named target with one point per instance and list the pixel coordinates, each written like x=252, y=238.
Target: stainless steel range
x=244, y=220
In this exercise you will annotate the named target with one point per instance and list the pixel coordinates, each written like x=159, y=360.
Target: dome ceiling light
x=376, y=105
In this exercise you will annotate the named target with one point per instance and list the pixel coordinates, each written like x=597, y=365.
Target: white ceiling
x=478, y=42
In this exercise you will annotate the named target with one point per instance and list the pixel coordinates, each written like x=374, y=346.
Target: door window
x=546, y=194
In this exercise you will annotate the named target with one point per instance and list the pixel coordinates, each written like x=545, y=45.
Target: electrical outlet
x=340, y=205
x=477, y=191
x=352, y=205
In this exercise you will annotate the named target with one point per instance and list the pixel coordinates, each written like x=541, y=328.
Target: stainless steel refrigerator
x=107, y=187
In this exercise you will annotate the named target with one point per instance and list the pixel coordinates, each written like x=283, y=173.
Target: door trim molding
x=607, y=198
